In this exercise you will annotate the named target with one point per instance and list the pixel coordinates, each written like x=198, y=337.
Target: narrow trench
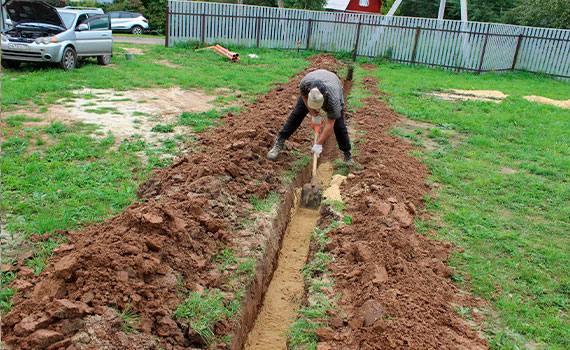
x=286, y=289
x=278, y=287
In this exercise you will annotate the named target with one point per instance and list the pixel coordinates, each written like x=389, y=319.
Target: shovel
x=311, y=195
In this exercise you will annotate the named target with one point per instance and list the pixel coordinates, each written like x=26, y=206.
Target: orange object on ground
x=233, y=56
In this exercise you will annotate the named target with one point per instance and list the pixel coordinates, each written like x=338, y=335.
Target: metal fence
x=463, y=46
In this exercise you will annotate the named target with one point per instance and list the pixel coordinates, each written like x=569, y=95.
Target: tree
x=54, y=3
x=481, y=10
x=306, y=4
x=541, y=13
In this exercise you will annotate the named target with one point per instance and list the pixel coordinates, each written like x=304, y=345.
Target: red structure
x=371, y=6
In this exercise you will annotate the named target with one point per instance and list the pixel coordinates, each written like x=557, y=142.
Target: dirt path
x=138, y=40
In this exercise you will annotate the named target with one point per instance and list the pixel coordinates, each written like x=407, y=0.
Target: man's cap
x=315, y=99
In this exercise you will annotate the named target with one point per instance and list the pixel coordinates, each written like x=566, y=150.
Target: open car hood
x=22, y=11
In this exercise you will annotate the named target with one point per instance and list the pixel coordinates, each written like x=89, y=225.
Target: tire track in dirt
x=148, y=257
x=394, y=284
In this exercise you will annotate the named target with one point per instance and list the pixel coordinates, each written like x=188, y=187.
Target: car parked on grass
x=43, y=33
x=130, y=22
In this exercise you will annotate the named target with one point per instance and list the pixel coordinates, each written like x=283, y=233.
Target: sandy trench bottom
x=285, y=292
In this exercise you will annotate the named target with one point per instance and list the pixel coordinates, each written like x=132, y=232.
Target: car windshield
x=67, y=18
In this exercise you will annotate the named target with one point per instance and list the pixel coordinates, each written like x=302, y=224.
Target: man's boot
x=276, y=148
x=348, y=157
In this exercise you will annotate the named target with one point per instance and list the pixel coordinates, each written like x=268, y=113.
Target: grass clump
x=289, y=175
x=200, y=121
x=266, y=204
x=57, y=128
x=163, y=128
x=439, y=136
x=413, y=137
x=103, y=110
x=17, y=121
x=314, y=314
x=6, y=301
x=6, y=293
x=337, y=205
x=201, y=312
x=340, y=167
x=43, y=251
x=129, y=319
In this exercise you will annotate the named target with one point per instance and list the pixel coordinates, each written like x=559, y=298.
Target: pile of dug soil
x=158, y=249
x=395, y=286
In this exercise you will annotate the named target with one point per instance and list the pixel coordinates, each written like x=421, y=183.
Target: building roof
x=339, y=5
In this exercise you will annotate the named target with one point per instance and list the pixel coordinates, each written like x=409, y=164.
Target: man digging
x=319, y=89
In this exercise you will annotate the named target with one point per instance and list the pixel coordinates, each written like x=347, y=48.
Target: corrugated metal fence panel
x=545, y=50
x=444, y=43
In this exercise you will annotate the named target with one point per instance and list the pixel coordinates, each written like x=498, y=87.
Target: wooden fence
x=463, y=46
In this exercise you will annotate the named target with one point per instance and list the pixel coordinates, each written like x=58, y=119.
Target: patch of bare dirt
x=124, y=113
x=507, y=170
x=549, y=101
x=167, y=63
x=135, y=50
x=422, y=129
x=150, y=256
x=395, y=286
x=368, y=66
x=475, y=95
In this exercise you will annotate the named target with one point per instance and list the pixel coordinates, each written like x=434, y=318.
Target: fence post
x=414, y=51
x=167, y=27
x=357, y=40
x=517, y=52
x=203, y=29
x=483, y=52
x=258, y=29
x=309, y=32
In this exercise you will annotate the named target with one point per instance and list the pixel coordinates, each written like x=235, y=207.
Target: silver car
x=130, y=22
x=42, y=33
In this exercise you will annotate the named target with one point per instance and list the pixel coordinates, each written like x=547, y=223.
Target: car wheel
x=69, y=59
x=104, y=60
x=137, y=30
x=10, y=64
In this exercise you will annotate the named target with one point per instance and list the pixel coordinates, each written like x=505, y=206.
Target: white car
x=130, y=22
x=42, y=33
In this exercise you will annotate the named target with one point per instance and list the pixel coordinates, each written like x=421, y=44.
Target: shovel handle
x=315, y=158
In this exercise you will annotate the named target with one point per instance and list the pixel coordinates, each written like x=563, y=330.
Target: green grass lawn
x=504, y=194
x=202, y=70
x=63, y=176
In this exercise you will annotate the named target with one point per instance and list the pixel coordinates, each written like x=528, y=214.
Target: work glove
x=318, y=120
x=317, y=149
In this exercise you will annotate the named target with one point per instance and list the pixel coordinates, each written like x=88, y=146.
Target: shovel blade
x=311, y=196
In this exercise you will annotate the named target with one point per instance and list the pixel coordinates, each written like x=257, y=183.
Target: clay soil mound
x=149, y=256
x=395, y=286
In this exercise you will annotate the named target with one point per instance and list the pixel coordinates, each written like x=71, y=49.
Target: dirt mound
x=405, y=298
x=147, y=258
x=368, y=66
x=549, y=101
x=475, y=95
